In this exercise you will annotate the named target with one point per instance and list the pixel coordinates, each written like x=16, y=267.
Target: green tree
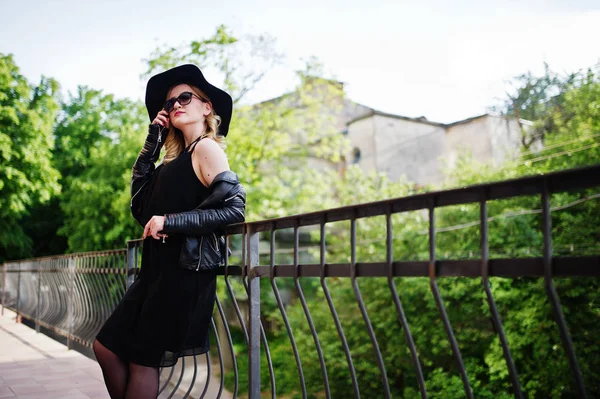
x=83, y=123
x=535, y=98
x=274, y=147
x=241, y=63
x=272, y=143
x=27, y=176
x=515, y=231
x=100, y=137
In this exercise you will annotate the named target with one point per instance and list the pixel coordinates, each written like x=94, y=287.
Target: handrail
x=71, y=295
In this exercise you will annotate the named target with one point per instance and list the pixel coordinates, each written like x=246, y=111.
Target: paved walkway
x=36, y=366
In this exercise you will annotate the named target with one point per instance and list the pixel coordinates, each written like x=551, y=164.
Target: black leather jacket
x=203, y=225
x=143, y=172
x=204, y=245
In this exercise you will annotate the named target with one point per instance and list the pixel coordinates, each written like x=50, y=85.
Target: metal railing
x=68, y=295
x=73, y=294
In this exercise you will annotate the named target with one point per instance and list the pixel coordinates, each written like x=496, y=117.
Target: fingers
x=146, y=230
x=149, y=231
x=162, y=118
x=158, y=236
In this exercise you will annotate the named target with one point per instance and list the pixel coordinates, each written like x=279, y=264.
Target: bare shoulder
x=211, y=158
x=209, y=148
x=208, y=143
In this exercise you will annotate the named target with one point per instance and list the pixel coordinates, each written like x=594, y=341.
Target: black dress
x=166, y=312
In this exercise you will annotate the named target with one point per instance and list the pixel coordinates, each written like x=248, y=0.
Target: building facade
x=420, y=149
x=415, y=148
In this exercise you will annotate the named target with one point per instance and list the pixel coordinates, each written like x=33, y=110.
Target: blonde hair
x=175, y=143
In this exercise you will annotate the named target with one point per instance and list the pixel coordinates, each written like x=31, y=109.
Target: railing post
x=131, y=262
x=2, y=298
x=553, y=295
x=440, y=303
x=18, y=293
x=71, y=269
x=37, y=304
x=252, y=258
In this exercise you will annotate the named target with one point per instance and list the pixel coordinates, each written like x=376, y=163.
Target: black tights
x=124, y=381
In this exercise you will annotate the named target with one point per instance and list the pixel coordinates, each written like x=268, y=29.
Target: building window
x=355, y=155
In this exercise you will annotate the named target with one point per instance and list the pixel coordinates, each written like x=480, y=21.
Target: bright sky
x=446, y=60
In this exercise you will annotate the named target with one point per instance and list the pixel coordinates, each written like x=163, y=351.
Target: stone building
x=420, y=149
x=414, y=147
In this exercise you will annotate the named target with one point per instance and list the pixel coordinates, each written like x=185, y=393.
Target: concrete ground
x=35, y=366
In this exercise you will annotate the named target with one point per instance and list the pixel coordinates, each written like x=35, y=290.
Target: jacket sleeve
x=227, y=203
x=142, y=171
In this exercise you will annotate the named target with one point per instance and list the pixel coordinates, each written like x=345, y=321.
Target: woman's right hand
x=162, y=118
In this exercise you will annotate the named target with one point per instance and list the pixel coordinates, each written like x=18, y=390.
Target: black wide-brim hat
x=159, y=85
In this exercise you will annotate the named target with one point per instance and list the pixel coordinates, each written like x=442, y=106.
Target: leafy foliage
x=85, y=146
x=27, y=176
x=515, y=231
x=100, y=137
x=241, y=62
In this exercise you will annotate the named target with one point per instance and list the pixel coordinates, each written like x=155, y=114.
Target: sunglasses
x=184, y=99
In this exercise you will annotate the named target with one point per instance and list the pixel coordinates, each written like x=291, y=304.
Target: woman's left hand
x=154, y=225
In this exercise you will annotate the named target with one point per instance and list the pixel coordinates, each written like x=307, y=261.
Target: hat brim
x=159, y=85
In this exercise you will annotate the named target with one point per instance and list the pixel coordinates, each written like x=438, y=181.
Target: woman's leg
x=143, y=382
x=115, y=371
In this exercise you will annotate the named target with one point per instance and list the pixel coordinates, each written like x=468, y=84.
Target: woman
x=166, y=312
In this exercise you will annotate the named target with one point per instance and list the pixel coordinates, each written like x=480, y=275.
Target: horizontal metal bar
x=103, y=253
x=65, y=270
x=232, y=271
x=576, y=266
x=571, y=266
x=558, y=181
